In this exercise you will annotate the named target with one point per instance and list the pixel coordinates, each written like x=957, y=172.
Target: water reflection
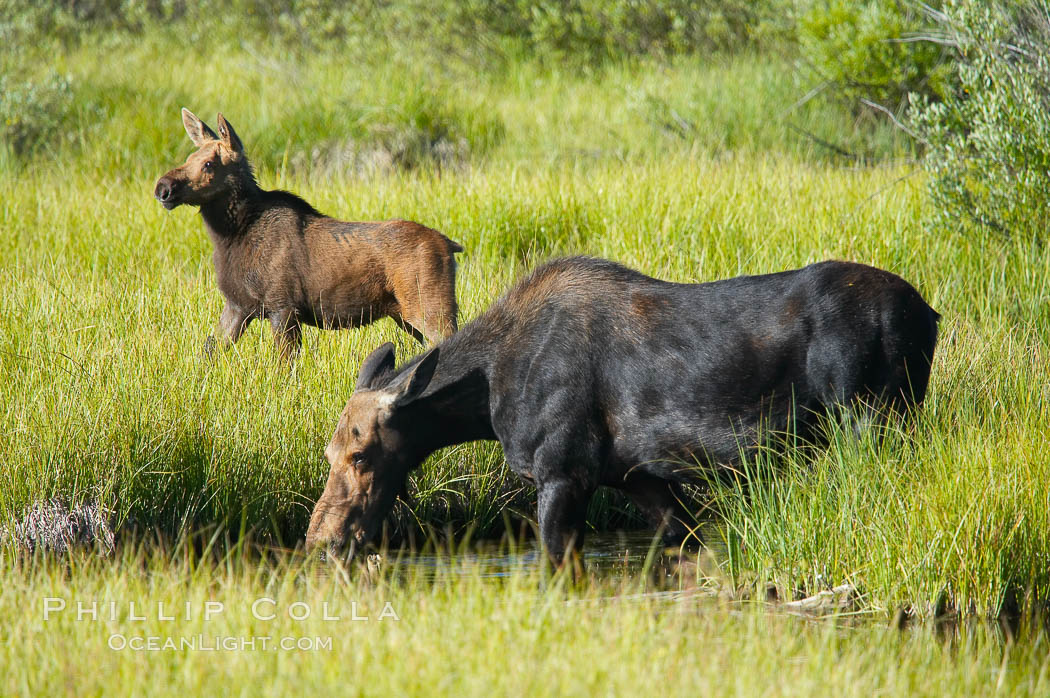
x=607, y=556
x=631, y=566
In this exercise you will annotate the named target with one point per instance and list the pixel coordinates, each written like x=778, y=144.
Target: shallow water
x=606, y=554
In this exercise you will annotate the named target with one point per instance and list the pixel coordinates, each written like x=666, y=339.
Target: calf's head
x=371, y=452
x=217, y=167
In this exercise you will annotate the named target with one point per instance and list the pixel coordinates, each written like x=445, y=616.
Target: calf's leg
x=426, y=326
x=428, y=305
x=404, y=325
x=287, y=333
x=441, y=309
x=232, y=323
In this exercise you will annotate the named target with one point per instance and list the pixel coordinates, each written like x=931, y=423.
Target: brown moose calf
x=278, y=258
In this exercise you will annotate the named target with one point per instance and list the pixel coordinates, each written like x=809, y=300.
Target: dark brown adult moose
x=277, y=258
x=592, y=374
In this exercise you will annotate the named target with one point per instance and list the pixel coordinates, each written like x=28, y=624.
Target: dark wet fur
x=591, y=374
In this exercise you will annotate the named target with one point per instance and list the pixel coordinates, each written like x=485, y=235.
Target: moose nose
x=163, y=190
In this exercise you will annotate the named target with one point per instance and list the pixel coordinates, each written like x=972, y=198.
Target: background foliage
x=988, y=141
x=692, y=141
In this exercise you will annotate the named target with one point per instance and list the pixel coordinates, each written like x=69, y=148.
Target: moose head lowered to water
x=591, y=374
x=277, y=258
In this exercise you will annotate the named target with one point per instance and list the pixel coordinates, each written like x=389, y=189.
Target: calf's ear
x=376, y=369
x=412, y=386
x=228, y=135
x=196, y=129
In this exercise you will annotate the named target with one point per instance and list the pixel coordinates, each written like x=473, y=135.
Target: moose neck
x=455, y=407
x=230, y=215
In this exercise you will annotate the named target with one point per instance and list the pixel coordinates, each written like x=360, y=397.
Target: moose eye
x=358, y=458
x=207, y=164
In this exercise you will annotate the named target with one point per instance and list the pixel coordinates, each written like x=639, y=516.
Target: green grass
x=460, y=633
x=109, y=310
x=690, y=171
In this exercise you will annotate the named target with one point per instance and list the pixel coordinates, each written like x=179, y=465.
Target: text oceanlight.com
x=216, y=643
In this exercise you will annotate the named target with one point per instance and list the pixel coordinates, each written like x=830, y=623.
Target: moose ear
x=228, y=135
x=376, y=369
x=196, y=129
x=412, y=386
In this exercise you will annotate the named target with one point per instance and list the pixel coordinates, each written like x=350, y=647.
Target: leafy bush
x=989, y=140
x=598, y=29
x=33, y=112
x=423, y=130
x=67, y=20
x=590, y=30
x=873, y=50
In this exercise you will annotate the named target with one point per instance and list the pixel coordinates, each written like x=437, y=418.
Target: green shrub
x=421, y=129
x=589, y=30
x=32, y=113
x=597, y=29
x=872, y=50
x=989, y=140
x=23, y=21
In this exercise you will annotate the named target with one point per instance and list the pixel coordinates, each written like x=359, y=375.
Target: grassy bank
x=457, y=633
x=690, y=170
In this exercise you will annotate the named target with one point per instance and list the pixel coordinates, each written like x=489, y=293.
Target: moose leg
x=287, y=333
x=440, y=313
x=232, y=324
x=404, y=325
x=661, y=503
x=562, y=512
x=428, y=306
x=424, y=329
x=441, y=307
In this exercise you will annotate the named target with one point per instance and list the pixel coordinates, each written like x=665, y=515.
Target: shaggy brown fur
x=278, y=258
